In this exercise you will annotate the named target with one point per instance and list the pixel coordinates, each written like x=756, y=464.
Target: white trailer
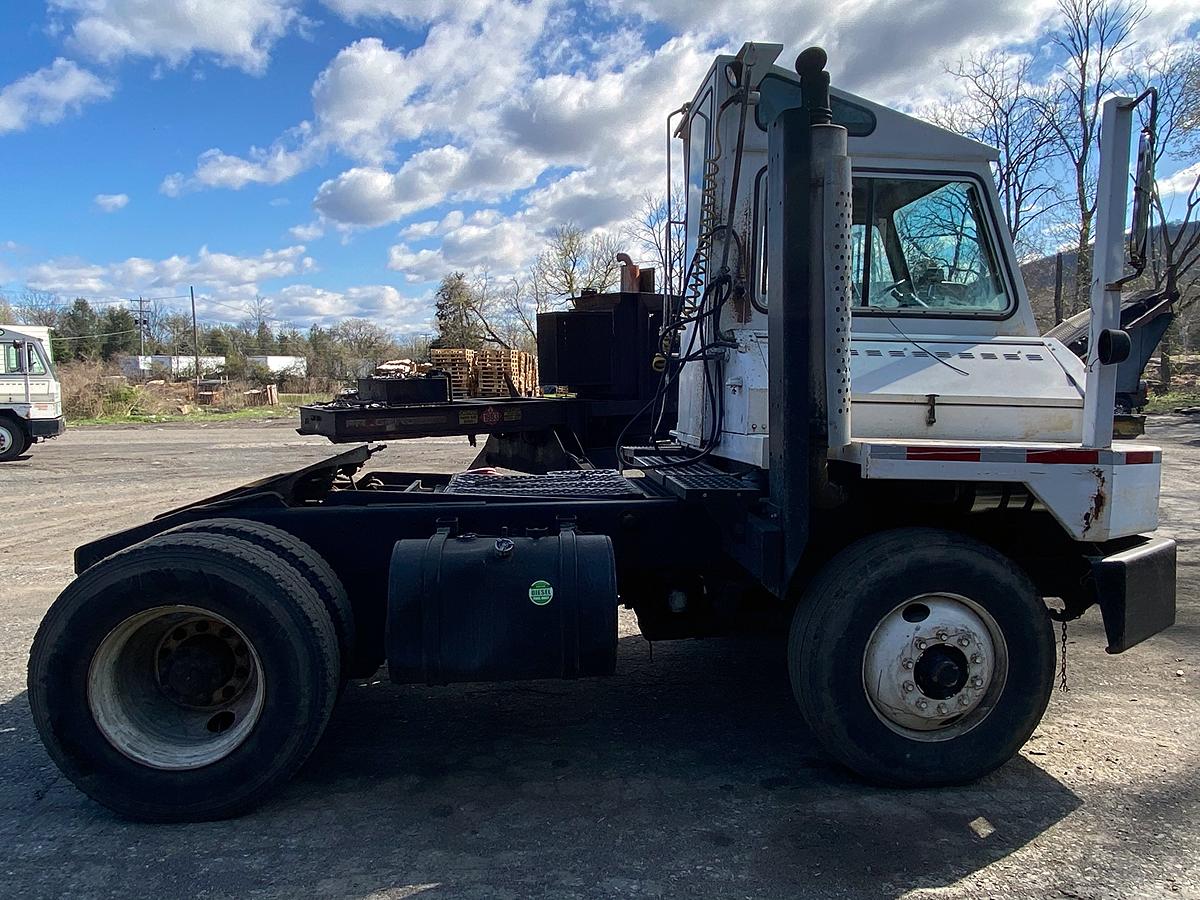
x=30, y=394
x=293, y=366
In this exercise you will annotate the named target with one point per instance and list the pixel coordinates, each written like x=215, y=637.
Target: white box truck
x=30, y=394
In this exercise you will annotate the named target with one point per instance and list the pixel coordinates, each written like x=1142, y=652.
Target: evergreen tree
x=119, y=332
x=456, y=324
x=77, y=336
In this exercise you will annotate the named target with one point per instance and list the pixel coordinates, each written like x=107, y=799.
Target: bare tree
x=489, y=306
x=1093, y=36
x=658, y=239
x=1003, y=106
x=526, y=297
x=260, y=315
x=38, y=308
x=575, y=261
x=1174, y=71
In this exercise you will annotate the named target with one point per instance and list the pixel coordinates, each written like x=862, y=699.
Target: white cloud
x=215, y=169
x=370, y=96
x=410, y=13
x=309, y=232
x=373, y=196
x=111, y=202
x=381, y=303
x=1181, y=183
x=49, y=95
x=223, y=274
x=237, y=33
x=483, y=240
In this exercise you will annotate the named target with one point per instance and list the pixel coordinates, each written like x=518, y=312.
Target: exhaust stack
x=809, y=209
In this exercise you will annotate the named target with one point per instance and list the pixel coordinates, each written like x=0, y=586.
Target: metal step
x=695, y=480
x=587, y=483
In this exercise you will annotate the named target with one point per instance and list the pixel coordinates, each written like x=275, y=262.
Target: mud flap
x=1136, y=592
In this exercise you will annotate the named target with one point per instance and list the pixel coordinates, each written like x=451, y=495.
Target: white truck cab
x=30, y=393
x=945, y=362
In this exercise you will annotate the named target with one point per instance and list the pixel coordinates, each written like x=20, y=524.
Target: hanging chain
x=1062, y=672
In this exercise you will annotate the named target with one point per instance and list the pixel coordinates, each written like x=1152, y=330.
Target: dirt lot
x=687, y=775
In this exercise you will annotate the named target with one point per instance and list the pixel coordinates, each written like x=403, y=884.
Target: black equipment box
x=603, y=348
x=432, y=388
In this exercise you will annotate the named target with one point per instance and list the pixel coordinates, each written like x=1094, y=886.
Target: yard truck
x=840, y=426
x=30, y=395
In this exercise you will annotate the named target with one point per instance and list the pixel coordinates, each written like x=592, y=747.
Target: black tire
x=305, y=560
x=292, y=640
x=14, y=439
x=838, y=615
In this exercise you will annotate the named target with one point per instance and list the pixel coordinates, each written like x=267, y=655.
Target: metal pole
x=1058, y=286
x=195, y=339
x=1116, y=129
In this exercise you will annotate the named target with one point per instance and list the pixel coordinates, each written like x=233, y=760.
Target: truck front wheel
x=921, y=658
x=14, y=439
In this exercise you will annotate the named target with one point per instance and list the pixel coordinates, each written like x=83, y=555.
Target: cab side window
x=10, y=360
x=929, y=250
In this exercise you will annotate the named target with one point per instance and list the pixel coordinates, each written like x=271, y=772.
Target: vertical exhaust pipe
x=809, y=207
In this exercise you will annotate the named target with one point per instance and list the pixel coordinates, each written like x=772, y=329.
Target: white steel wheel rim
x=935, y=666
x=7, y=438
x=176, y=687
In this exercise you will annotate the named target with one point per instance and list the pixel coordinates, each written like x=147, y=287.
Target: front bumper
x=1135, y=588
x=47, y=428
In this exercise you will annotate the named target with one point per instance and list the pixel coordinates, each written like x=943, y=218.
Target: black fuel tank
x=476, y=608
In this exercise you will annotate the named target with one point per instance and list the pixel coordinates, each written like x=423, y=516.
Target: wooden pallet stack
x=493, y=364
x=460, y=365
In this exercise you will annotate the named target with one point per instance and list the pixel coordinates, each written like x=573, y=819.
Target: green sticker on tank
x=540, y=593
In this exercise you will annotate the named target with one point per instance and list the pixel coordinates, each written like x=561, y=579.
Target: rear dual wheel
x=185, y=678
x=921, y=658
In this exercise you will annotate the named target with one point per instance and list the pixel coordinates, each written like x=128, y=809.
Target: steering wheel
x=905, y=294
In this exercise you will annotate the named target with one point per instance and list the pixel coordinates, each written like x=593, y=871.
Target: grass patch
x=248, y=414
x=296, y=400
x=1171, y=401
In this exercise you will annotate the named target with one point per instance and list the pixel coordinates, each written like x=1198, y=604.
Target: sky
x=338, y=157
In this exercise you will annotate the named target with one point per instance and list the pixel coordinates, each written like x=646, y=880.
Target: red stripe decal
x=944, y=454
x=1133, y=457
x=1067, y=457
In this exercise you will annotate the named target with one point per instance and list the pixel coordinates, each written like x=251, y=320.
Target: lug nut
x=920, y=644
x=962, y=699
x=976, y=659
x=921, y=704
x=977, y=681
x=908, y=664
x=964, y=641
x=941, y=636
x=943, y=708
x=909, y=687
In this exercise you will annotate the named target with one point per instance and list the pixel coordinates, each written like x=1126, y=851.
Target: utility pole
x=141, y=324
x=195, y=338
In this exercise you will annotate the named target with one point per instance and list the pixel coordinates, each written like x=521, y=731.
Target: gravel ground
x=689, y=774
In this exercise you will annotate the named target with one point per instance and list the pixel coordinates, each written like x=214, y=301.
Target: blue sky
x=338, y=156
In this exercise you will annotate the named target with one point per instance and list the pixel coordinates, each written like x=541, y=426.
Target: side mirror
x=21, y=359
x=1143, y=189
x=1143, y=185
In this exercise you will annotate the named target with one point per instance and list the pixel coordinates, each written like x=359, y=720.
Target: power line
x=80, y=337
